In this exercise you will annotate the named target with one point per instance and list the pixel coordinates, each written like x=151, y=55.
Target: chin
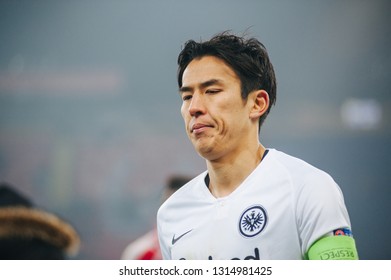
x=204, y=151
x=204, y=147
x=208, y=153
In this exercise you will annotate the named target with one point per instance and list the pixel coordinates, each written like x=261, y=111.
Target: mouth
x=198, y=128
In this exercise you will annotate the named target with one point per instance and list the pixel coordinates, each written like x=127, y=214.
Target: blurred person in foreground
x=252, y=202
x=29, y=233
x=147, y=246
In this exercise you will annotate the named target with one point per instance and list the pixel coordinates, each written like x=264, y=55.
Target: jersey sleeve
x=161, y=236
x=320, y=209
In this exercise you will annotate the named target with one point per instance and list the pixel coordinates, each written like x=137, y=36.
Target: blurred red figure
x=145, y=247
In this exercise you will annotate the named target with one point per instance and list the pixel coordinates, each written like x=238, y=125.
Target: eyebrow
x=205, y=84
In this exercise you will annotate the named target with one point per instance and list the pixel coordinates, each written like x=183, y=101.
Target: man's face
x=216, y=117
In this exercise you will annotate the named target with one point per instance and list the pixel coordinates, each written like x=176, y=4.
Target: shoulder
x=306, y=181
x=298, y=170
x=186, y=195
x=291, y=163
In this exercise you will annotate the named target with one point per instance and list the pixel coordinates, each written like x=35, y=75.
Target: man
x=251, y=202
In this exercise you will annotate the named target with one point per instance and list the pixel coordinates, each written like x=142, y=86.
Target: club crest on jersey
x=252, y=221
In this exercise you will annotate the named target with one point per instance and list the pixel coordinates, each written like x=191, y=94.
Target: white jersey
x=277, y=212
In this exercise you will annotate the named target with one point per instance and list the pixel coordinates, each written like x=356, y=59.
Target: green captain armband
x=333, y=248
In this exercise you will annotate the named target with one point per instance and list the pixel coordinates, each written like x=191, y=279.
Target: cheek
x=233, y=118
x=183, y=111
x=185, y=115
x=231, y=108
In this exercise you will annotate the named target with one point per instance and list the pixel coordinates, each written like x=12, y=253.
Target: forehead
x=206, y=68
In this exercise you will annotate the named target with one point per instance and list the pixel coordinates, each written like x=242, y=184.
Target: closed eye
x=213, y=91
x=186, y=97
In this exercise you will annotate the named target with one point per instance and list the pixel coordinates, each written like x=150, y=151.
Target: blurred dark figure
x=28, y=233
x=147, y=246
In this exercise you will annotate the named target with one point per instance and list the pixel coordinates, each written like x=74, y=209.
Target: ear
x=259, y=104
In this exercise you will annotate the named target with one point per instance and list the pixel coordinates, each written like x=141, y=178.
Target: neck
x=227, y=174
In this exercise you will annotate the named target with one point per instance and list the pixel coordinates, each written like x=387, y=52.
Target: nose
x=197, y=105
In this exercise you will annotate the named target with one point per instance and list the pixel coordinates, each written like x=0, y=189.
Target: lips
x=199, y=127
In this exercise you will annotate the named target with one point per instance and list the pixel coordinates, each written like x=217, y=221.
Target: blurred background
x=90, y=126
